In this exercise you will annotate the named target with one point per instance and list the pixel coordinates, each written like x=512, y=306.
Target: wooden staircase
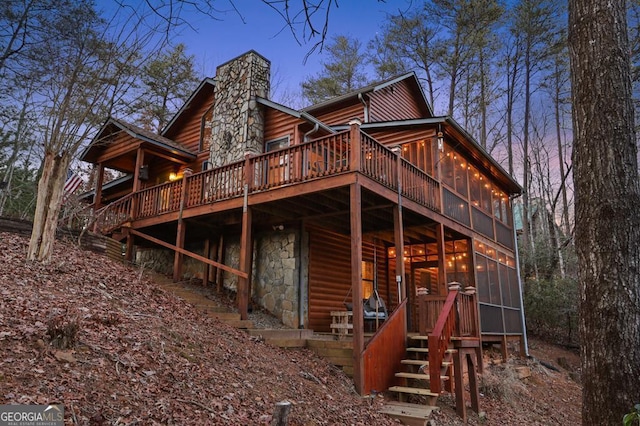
x=435, y=359
x=205, y=305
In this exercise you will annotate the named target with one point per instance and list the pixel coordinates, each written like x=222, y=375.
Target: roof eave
x=177, y=115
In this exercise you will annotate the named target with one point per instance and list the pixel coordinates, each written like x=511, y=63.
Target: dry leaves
x=129, y=352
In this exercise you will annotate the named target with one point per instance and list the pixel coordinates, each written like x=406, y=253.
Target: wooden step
x=426, y=350
x=330, y=344
x=418, y=376
x=281, y=333
x=408, y=414
x=239, y=323
x=287, y=343
x=414, y=391
x=419, y=337
x=419, y=350
x=422, y=362
x=224, y=316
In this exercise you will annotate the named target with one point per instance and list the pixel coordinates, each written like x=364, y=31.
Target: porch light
x=173, y=176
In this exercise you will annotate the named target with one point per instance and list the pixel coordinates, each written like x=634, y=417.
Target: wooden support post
x=136, y=182
x=466, y=356
x=503, y=348
x=130, y=247
x=206, y=267
x=178, y=257
x=354, y=145
x=442, y=261
x=220, y=257
x=246, y=245
x=356, y=285
x=472, y=369
x=246, y=252
x=458, y=376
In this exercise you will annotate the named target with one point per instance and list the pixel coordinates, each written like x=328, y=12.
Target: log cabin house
x=307, y=212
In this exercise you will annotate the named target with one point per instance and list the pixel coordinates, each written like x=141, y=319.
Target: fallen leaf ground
x=130, y=352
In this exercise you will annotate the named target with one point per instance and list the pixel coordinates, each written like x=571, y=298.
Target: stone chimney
x=238, y=123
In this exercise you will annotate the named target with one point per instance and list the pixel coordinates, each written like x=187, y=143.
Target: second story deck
x=326, y=163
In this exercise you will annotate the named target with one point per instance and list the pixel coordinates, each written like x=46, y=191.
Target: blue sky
x=214, y=42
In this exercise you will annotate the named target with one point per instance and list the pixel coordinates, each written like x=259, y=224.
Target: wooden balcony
x=351, y=151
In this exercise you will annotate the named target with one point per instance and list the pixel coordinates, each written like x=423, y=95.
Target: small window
x=276, y=144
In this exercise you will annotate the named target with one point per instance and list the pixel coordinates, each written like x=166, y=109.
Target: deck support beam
x=246, y=245
x=356, y=285
x=468, y=356
x=178, y=258
x=442, y=261
x=206, y=267
x=219, y=258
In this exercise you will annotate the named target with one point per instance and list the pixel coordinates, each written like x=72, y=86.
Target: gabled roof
x=107, y=186
x=137, y=133
x=206, y=84
x=409, y=77
x=298, y=114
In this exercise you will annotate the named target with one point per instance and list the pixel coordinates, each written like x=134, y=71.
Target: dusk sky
x=217, y=41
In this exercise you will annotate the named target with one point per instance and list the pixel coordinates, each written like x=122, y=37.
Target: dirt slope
x=142, y=356
x=135, y=354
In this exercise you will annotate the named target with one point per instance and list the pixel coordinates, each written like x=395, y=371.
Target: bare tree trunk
x=607, y=192
x=50, y=191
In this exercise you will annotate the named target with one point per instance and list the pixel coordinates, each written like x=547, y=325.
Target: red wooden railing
x=458, y=316
x=115, y=214
x=429, y=308
x=467, y=315
x=337, y=153
x=419, y=186
x=384, y=351
x=216, y=184
x=439, y=340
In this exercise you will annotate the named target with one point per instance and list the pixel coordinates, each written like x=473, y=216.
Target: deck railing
x=439, y=340
x=383, y=353
x=346, y=151
x=113, y=215
x=457, y=316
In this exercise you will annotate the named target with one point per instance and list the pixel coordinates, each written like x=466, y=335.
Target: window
x=277, y=166
x=447, y=166
x=419, y=154
x=501, y=207
x=277, y=144
x=367, y=279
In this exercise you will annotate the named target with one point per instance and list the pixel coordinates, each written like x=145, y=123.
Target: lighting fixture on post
x=173, y=176
x=440, y=141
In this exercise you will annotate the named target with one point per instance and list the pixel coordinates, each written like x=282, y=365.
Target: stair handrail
x=117, y=206
x=440, y=338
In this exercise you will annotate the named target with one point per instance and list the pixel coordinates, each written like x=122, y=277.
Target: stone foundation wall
x=275, y=271
x=161, y=260
x=276, y=279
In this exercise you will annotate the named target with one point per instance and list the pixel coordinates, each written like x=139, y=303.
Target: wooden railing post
x=355, y=145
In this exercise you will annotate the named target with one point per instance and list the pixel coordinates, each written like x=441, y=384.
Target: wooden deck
x=313, y=166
